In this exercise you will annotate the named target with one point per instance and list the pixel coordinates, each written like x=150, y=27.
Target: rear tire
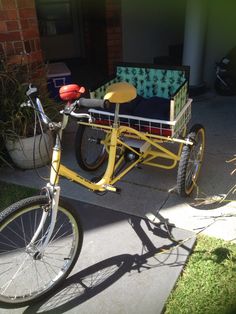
x=190, y=161
x=27, y=277
x=90, y=153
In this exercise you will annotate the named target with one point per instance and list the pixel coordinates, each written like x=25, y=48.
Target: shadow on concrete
x=94, y=279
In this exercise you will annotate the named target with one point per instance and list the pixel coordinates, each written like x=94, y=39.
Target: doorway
x=96, y=33
x=60, y=29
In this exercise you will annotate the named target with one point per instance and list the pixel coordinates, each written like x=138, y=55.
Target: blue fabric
x=153, y=108
x=127, y=108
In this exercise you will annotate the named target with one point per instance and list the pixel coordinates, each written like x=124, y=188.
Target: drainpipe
x=194, y=42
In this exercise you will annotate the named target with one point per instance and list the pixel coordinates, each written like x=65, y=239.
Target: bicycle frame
x=150, y=151
x=111, y=142
x=109, y=178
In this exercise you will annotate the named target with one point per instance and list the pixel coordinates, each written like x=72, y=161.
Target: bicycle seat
x=120, y=93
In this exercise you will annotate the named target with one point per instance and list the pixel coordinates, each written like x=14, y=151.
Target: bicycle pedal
x=111, y=188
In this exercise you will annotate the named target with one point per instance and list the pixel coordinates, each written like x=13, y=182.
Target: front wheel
x=27, y=276
x=191, y=161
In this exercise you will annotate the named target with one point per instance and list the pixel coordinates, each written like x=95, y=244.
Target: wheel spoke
x=7, y=284
x=191, y=161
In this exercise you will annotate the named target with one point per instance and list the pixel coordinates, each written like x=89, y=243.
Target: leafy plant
x=17, y=121
x=3, y=154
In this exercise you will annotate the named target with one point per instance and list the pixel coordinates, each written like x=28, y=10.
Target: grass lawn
x=10, y=193
x=208, y=282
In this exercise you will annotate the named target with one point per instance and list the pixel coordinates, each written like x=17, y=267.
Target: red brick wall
x=114, y=33
x=19, y=30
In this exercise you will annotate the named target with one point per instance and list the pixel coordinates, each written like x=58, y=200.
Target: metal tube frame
x=112, y=141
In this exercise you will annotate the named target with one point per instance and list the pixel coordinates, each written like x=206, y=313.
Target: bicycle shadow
x=94, y=279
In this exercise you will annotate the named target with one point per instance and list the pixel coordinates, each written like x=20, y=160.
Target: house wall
x=150, y=26
x=220, y=34
x=19, y=30
x=144, y=31
x=113, y=33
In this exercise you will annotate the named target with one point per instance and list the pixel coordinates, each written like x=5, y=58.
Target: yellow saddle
x=120, y=93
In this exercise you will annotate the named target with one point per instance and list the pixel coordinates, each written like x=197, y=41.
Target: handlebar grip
x=94, y=103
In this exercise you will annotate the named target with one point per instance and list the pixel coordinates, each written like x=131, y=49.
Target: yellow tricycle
x=41, y=236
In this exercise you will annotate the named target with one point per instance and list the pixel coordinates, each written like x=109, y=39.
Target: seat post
x=116, y=117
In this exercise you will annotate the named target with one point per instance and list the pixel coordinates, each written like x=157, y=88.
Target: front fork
x=50, y=210
x=34, y=248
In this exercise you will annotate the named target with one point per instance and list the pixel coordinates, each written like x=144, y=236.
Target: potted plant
x=27, y=144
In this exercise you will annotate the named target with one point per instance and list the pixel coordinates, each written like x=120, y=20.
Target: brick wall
x=114, y=33
x=19, y=31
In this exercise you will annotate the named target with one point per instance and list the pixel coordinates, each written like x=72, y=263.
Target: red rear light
x=71, y=92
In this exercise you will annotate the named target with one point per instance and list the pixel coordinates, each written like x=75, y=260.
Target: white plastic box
x=58, y=75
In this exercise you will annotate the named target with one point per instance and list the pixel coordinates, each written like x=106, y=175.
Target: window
x=54, y=17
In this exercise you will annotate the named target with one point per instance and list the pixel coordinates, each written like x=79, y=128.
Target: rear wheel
x=27, y=275
x=191, y=161
x=89, y=150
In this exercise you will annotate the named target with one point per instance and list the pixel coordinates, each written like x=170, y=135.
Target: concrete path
x=127, y=265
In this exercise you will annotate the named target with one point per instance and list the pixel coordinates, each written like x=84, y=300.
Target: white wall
x=150, y=26
x=220, y=34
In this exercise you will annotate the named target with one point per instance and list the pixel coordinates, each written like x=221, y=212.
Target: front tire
x=191, y=161
x=25, y=276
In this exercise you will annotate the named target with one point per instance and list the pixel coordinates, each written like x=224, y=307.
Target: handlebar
x=69, y=109
x=94, y=103
x=34, y=101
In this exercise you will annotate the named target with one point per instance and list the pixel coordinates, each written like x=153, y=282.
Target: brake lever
x=82, y=115
x=31, y=90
